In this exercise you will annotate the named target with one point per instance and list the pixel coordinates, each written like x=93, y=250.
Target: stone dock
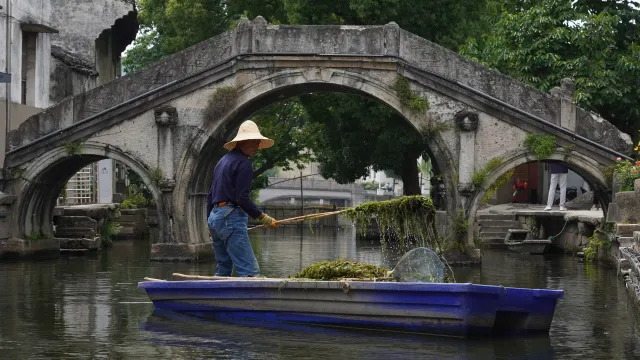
x=614, y=239
x=570, y=229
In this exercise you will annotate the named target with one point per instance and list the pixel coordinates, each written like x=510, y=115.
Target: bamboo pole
x=178, y=276
x=303, y=218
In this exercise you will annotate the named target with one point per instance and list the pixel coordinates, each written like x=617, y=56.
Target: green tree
x=353, y=134
x=169, y=26
x=594, y=42
x=449, y=23
x=285, y=122
x=360, y=132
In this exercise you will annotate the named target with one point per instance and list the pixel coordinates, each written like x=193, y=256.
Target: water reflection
x=313, y=342
x=90, y=307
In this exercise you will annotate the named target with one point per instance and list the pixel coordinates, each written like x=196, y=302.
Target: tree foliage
x=594, y=42
x=169, y=26
x=285, y=122
x=353, y=133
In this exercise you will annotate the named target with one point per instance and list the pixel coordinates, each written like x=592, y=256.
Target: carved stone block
x=166, y=116
x=467, y=120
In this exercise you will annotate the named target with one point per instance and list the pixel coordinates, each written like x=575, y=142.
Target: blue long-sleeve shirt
x=232, y=179
x=557, y=168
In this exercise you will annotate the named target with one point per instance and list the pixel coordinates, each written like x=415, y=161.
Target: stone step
x=127, y=218
x=501, y=230
x=75, y=222
x=79, y=244
x=495, y=217
x=627, y=230
x=126, y=230
x=493, y=242
x=75, y=233
x=493, y=235
x=625, y=241
x=500, y=223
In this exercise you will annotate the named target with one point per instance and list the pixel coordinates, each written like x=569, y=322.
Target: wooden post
x=301, y=200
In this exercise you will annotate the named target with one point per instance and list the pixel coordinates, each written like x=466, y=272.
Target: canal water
x=90, y=308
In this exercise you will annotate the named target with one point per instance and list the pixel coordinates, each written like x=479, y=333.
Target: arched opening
x=264, y=92
x=518, y=190
x=110, y=44
x=44, y=181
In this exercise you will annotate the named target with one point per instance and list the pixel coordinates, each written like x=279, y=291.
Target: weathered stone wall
x=623, y=254
x=133, y=224
x=70, y=75
x=80, y=22
x=628, y=204
x=6, y=202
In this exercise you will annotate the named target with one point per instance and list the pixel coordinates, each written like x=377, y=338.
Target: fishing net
x=419, y=265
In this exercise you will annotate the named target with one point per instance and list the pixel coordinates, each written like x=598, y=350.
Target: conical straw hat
x=249, y=131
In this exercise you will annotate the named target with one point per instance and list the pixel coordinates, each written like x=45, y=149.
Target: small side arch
x=39, y=186
x=581, y=164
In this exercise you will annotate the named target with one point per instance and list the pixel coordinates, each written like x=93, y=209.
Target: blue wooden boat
x=454, y=309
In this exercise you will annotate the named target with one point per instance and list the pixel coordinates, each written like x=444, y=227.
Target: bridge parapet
x=258, y=38
x=313, y=184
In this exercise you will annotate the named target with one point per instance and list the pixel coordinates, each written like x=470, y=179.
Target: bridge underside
x=155, y=121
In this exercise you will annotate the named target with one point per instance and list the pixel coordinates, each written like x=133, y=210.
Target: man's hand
x=268, y=222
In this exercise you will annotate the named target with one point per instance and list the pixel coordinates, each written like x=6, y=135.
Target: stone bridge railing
x=311, y=184
x=258, y=38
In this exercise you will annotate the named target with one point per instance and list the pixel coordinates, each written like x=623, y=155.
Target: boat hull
x=444, y=309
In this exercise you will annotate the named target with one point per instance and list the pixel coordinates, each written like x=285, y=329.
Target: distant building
x=60, y=48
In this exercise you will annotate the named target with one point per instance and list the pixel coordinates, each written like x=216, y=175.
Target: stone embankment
x=624, y=237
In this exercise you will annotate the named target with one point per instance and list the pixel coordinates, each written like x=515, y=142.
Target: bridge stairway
x=493, y=228
x=625, y=234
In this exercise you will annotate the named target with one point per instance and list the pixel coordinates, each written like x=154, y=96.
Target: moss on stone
x=542, y=146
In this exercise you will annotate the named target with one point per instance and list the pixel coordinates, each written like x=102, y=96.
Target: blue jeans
x=228, y=228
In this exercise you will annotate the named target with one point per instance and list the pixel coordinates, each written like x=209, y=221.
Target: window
x=28, y=75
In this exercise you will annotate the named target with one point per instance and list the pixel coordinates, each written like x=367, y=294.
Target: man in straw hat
x=229, y=205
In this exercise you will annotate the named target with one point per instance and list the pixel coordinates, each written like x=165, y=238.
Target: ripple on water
x=90, y=307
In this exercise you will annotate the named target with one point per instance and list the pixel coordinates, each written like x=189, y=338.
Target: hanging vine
x=408, y=216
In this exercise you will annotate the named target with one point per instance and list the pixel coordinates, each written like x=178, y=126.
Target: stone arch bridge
x=154, y=120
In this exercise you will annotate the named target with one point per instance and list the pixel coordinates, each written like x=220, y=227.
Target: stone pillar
x=166, y=119
x=259, y=37
x=168, y=245
x=392, y=39
x=467, y=124
x=568, y=109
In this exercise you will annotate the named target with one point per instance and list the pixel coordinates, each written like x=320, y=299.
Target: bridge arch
x=581, y=164
x=195, y=173
x=41, y=183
